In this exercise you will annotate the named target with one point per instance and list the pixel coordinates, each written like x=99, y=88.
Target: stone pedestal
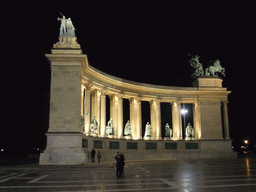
x=64, y=137
x=63, y=149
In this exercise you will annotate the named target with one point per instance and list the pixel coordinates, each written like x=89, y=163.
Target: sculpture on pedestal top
x=168, y=130
x=67, y=37
x=128, y=129
x=147, y=131
x=198, y=68
x=110, y=128
x=215, y=69
x=94, y=126
x=66, y=28
x=189, y=132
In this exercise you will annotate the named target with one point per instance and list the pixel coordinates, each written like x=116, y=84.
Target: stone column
x=139, y=120
x=197, y=121
x=116, y=112
x=120, y=116
x=176, y=121
x=132, y=117
x=103, y=113
x=155, y=113
x=87, y=119
x=225, y=118
x=135, y=117
x=96, y=107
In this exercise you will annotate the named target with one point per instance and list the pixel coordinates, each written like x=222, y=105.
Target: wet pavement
x=209, y=175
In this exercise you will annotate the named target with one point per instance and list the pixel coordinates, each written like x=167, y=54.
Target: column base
x=189, y=138
x=128, y=137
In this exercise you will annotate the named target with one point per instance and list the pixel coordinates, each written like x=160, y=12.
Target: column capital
x=88, y=86
x=137, y=98
x=156, y=101
x=225, y=102
x=175, y=103
x=104, y=91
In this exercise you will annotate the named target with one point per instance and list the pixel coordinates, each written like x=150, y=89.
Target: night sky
x=144, y=41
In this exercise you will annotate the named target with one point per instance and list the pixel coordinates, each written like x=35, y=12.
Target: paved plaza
x=209, y=175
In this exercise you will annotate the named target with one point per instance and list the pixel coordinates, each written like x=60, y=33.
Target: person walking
x=93, y=155
x=99, y=156
x=119, y=165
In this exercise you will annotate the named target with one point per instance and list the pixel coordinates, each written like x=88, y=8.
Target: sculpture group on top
x=67, y=37
x=198, y=71
x=67, y=28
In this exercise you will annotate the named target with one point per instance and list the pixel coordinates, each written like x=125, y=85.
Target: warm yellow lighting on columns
x=132, y=117
x=82, y=100
x=176, y=121
x=197, y=121
x=82, y=106
x=225, y=118
x=139, y=120
x=96, y=106
x=116, y=113
x=120, y=116
x=103, y=113
x=87, y=118
x=155, y=114
x=153, y=118
x=135, y=117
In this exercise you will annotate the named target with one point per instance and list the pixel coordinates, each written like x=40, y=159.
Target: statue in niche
x=94, y=126
x=215, y=69
x=168, y=131
x=189, y=132
x=147, y=131
x=128, y=129
x=198, y=67
x=67, y=28
x=110, y=128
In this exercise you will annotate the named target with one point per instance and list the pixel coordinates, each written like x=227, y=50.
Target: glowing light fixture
x=183, y=111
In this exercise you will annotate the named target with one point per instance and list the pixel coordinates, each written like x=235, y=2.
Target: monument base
x=146, y=149
x=63, y=149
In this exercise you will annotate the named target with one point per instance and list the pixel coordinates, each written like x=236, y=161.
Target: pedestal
x=63, y=149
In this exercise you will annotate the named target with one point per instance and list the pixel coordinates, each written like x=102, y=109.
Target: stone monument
x=78, y=93
x=64, y=136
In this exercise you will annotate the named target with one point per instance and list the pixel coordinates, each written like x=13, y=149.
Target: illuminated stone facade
x=78, y=93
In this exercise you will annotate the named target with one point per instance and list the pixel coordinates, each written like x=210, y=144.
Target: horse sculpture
x=215, y=69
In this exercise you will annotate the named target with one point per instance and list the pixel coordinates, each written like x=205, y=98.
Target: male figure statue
x=168, y=131
x=148, y=131
x=63, y=30
x=94, y=125
x=70, y=28
x=128, y=128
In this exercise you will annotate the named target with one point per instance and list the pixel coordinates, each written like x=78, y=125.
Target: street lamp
x=184, y=112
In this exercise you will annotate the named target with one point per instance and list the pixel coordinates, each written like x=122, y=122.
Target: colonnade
x=94, y=104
